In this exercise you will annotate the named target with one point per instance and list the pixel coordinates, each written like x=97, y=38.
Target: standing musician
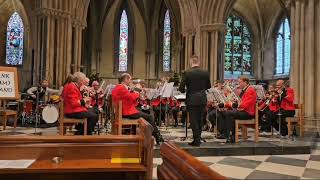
x=197, y=81
x=285, y=101
x=74, y=104
x=129, y=103
x=42, y=90
x=246, y=109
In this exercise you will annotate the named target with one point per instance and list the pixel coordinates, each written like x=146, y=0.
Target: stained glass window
x=123, y=42
x=166, y=42
x=238, y=55
x=283, y=49
x=14, y=46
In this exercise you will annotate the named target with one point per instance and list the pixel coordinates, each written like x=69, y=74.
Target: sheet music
x=16, y=164
x=259, y=90
x=152, y=93
x=168, y=89
x=180, y=96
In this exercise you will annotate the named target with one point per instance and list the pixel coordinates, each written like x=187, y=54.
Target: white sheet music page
x=16, y=164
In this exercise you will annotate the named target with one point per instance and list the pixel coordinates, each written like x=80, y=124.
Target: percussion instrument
x=28, y=106
x=50, y=114
x=54, y=99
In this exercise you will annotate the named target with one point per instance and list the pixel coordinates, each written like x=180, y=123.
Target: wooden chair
x=67, y=122
x=297, y=120
x=5, y=113
x=119, y=122
x=244, y=124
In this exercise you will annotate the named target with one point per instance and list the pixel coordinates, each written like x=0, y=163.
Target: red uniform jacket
x=71, y=99
x=287, y=103
x=274, y=105
x=248, y=101
x=129, y=99
x=155, y=102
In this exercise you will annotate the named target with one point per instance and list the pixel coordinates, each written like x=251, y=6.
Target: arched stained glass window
x=283, y=49
x=14, y=44
x=238, y=55
x=167, y=42
x=123, y=42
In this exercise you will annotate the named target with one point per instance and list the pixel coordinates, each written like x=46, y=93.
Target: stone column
x=209, y=54
x=305, y=54
x=188, y=47
x=78, y=46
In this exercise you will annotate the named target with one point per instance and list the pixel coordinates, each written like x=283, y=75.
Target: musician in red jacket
x=129, y=102
x=286, y=102
x=74, y=104
x=245, y=111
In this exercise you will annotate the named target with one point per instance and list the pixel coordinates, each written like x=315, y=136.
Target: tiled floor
x=304, y=166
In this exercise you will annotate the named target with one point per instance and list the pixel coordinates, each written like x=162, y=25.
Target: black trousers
x=273, y=118
x=217, y=115
x=92, y=119
x=196, y=121
x=229, y=118
x=149, y=118
x=157, y=111
x=175, y=111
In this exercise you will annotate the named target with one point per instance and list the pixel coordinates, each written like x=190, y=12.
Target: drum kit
x=46, y=111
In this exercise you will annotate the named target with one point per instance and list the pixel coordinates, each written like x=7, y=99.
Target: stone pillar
x=78, y=46
x=305, y=54
x=209, y=47
x=188, y=47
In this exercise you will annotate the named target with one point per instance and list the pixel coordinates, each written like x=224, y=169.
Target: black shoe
x=196, y=144
x=231, y=139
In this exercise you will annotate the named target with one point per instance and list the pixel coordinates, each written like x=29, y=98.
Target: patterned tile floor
x=304, y=166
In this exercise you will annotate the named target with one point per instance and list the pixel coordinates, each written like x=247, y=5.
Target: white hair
x=78, y=76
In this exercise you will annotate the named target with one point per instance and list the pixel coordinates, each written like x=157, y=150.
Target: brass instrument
x=233, y=94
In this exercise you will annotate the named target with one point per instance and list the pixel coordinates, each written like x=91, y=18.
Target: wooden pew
x=83, y=157
x=178, y=164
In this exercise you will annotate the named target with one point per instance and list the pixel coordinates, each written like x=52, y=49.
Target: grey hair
x=77, y=76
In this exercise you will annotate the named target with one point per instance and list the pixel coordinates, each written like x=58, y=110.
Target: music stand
x=165, y=92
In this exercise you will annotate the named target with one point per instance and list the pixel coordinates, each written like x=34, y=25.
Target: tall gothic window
x=123, y=42
x=238, y=55
x=167, y=42
x=283, y=49
x=14, y=44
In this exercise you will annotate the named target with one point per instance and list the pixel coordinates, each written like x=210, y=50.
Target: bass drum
x=50, y=114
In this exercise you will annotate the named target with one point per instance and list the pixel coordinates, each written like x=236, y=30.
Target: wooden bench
x=244, y=124
x=178, y=164
x=297, y=120
x=118, y=122
x=67, y=122
x=5, y=113
x=82, y=157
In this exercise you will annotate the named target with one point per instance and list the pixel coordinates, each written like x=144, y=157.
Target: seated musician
x=75, y=104
x=245, y=111
x=129, y=102
x=42, y=91
x=97, y=96
x=285, y=99
x=268, y=103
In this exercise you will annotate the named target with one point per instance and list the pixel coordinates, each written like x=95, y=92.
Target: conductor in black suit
x=197, y=81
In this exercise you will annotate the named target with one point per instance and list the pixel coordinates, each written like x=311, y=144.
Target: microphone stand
x=37, y=113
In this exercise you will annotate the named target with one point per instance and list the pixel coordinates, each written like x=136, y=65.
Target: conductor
x=197, y=81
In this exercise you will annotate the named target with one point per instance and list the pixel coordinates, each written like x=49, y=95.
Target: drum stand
x=37, y=114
